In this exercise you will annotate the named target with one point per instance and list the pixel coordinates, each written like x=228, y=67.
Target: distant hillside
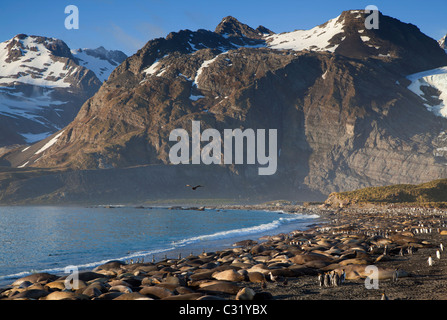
x=429, y=193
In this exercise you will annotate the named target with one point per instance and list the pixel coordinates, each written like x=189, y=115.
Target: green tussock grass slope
x=426, y=193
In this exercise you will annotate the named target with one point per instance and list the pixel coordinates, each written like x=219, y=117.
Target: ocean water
x=48, y=239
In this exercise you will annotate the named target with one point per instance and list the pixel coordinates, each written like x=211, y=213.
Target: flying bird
x=194, y=188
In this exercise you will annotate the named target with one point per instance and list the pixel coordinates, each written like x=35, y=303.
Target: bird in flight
x=194, y=188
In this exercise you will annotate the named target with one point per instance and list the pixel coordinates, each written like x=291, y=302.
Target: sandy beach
x=342, y=245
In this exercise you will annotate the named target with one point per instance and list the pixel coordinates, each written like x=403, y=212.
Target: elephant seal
x=30, y=294
x=245, y=294
x=228, y=275
x=35, y=277
x=256, y=277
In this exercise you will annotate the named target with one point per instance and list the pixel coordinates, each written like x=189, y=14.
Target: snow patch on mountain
x=204, y=65
x=365, y=38
x=316, y=39
x=101, y=61
x=43, y=83
x=16, y=104
x=35, y=66
x=153, y=68
x=50, y=143
x=193, y=97
x=435, y=78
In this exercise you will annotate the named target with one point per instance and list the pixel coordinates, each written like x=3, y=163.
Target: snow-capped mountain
x=43, y=85
x=101, y=61
x=352, y=107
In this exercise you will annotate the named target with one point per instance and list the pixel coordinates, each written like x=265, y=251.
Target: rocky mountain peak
x=231, y=27
x=100, y=60
x=400, y=44
x=21, y=44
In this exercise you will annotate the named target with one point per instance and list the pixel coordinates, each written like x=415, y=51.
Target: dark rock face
x=345, y=119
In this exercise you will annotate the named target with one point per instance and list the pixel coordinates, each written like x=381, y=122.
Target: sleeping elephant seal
x=358, y=271
x=34, y=278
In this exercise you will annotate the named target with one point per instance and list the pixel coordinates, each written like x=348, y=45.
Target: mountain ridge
x=340, y=126
x=100, y=60
x=42, y=87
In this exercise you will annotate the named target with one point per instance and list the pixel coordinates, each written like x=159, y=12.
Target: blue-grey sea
x=48, y=239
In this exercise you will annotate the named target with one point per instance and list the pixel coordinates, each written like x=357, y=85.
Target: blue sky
x=128, y=25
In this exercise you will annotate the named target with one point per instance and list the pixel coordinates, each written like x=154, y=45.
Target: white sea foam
x=243, y=231
x=233, y=233
x=60, y=270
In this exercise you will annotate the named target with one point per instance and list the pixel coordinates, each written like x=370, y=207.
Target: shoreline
x=210, y=242
x=398, y=241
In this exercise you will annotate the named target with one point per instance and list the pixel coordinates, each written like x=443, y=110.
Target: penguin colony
x=331, y=279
